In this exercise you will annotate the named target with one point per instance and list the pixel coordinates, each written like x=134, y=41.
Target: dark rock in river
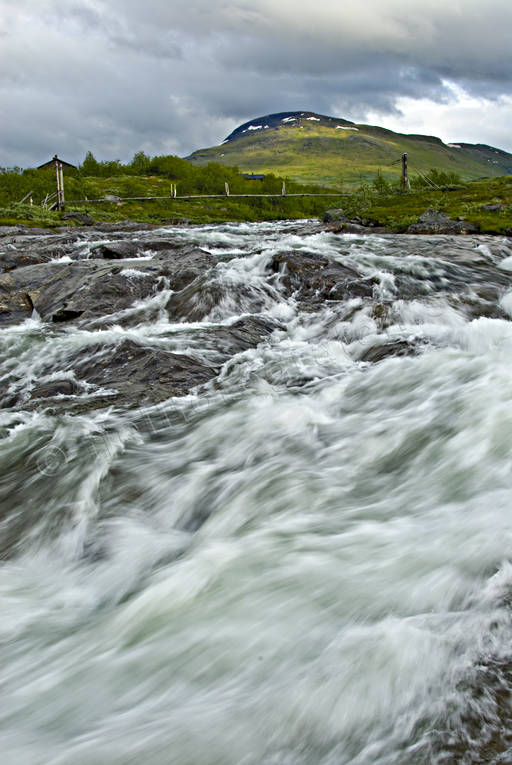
x=384, y=350
x=87, y=289
x=116, y=250
x=243, y=334
x=55, y=388
x=436, y=222
x=136, y=373
x=11, y=259
x=21, y=230
x=84, y=289
x=130, y=374
x=314, y=278
x=15, y=304
x=183, y=266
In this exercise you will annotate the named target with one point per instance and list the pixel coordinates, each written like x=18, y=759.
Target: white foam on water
x=310, y=558
x=133, y=272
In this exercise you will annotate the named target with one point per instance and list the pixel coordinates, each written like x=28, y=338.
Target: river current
x=305, y=561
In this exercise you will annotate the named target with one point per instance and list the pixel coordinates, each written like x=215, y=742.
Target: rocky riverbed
x=255, y=496
x=90, y=280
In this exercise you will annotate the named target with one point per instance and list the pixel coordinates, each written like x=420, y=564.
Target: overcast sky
x=172, y=76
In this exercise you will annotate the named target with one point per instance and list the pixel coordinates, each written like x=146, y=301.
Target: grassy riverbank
x=155, y=178
x=472, y=201
x=487, y=203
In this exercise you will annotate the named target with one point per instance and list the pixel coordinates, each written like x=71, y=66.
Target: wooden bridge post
x=58, y=183
x=405, y=181
x=226, y=186
x=61, y=173
x=283, y=191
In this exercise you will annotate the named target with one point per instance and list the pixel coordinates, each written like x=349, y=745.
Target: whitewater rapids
x=306, y=561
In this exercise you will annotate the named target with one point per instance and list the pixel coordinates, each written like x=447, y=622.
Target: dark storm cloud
x=170, y=76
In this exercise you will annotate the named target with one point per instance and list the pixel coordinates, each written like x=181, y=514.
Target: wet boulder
x=21, y=230
x=381, y=351
x=211, y=297
x=131, y=375
x=13, y=258
x=353, y=227
x=183, y=266
x=40, y=394
x=116, y=250
x=90, y=289
x=52, y=388
x=20, y=288
x=243, y=334
x=314, y=278
x=62, y=292
x=15, y=304
x=135, y=374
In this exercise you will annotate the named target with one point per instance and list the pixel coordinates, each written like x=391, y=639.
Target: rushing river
x=305, y=561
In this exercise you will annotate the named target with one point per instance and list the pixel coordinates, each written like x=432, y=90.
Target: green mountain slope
x=313, y=148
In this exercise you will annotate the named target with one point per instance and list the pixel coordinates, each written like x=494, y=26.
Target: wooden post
x=61, y=173
x=283, y=191
x=226, y=186
x=405, y=182
x=58, y=183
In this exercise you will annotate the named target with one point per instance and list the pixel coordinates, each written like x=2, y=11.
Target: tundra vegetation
x=486, y=202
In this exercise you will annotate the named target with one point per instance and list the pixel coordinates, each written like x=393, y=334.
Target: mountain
x=313, y=148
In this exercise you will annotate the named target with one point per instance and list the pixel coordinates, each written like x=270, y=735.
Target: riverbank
x=485, y=204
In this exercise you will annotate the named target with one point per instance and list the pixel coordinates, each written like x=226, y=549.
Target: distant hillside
x=313, y=148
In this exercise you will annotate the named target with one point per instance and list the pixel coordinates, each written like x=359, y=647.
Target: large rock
x=19, y=289
x=357, y=228
x=21, y=230
x=126, y=375
x=116, y=250
x=140, y=374
x=13, y=258
x=209, y=297
x=381, y=351
x=243, y=334
x=82, y=218
x=313, y=278
x=436, y=222
x=88, y=289
x=336, y=215
x=182, y=267
x=15, y=304
x=130, y=375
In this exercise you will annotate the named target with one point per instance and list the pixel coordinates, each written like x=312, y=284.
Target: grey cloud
x=176, y=75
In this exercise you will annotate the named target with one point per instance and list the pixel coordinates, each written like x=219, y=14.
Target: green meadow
x=378, y=199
